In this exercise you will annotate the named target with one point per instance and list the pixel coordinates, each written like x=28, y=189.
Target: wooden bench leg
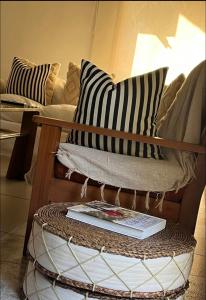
x=48, y=145
x=22, y=152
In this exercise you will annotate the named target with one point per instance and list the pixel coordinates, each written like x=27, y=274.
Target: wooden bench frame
x=46, y=188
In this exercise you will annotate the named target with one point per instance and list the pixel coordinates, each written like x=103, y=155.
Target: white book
x=117, y=219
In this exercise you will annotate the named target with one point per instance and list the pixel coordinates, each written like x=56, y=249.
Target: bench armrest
x=178, y=145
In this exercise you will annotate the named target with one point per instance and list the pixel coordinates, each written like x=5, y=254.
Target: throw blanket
x=122, y=171
x=185, y=120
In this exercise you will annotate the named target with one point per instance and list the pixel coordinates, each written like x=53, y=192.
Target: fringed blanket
x=186, y=120
x=122, y=171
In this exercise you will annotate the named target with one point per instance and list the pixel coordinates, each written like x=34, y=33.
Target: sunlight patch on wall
x=183, y=52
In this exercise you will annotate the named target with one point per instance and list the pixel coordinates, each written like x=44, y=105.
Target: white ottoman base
x=39, y=287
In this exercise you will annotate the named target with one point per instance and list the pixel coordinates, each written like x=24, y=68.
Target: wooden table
x=21, y=157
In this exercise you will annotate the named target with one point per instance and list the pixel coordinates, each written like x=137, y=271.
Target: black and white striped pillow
x=130, y=105
x=32, y=81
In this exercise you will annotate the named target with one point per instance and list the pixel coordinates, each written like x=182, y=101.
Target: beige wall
x=104, y=39
x=103, y=31
x=46, y=31
x=157, y=18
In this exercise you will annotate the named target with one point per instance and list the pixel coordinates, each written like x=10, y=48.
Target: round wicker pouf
x=82, y=257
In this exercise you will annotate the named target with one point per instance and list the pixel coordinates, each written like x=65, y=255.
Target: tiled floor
x=14, y=207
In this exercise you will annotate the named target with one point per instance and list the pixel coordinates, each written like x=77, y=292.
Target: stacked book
x=117, y=219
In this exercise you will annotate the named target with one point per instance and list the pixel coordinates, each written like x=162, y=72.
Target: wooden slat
x=123, y=135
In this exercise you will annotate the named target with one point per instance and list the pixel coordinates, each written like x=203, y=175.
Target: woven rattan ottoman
x=74, y=260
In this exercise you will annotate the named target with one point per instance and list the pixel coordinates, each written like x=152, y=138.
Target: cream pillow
x=58, y=95
x=168, y=97
x=2, y=86
x=33, y=81
x=72, y=86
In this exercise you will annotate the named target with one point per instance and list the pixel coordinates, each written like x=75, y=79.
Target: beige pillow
x=168, y=97
x=2, y=86
x=29, y=80
x=72, y=86
x=58, y=95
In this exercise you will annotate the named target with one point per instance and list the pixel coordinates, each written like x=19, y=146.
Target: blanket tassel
x=69, y=173
x=117, y=201
x=84, y=188
x=160, y=203
x=147, y=200
x=134, y=200
x=102, y=192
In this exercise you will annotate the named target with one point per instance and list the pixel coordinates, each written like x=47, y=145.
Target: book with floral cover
x=117, y=219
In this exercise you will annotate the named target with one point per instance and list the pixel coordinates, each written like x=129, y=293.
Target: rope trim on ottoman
x=165, y=243
x=175, y=294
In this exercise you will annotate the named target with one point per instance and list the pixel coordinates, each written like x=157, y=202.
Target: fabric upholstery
x=129, y=106
x=33, y=81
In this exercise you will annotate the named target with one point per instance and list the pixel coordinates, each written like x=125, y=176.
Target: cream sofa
x=12, y=120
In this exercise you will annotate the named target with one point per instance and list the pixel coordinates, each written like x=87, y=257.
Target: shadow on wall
x=165, y=26
x=184, y=51
x=162, y=17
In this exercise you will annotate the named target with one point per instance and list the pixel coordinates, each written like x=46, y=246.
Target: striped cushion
x=32, y=81
x=130, y=105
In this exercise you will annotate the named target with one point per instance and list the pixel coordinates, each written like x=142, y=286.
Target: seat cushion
x=63, y=112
